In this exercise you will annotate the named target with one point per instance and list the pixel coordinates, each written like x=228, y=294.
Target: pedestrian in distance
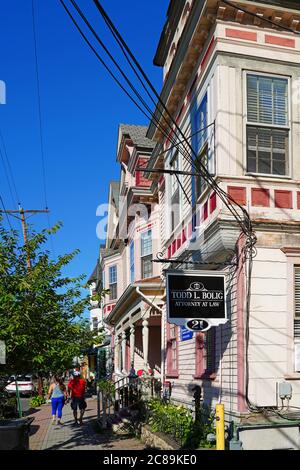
x=58, y=393
x=77, y=389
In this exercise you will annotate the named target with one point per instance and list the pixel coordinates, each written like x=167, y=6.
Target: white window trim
x=246, y=123
x=170, y=157
x=293, y=259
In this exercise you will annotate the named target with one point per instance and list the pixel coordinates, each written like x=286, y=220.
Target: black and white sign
x=196, y=296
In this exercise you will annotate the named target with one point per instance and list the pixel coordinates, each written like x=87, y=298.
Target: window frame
x=172, y=345
x=202, y=371
x=247, y=124
x=175, y=155
x=292, y=260
x=114, y=284
x=146, y=256
x=131, y=262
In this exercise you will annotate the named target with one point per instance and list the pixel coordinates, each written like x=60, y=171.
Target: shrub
x=178, y=422
x=37, y=401
x=107, y=387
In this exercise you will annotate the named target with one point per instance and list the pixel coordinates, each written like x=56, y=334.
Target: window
x=172, y=350
x=267, y=125
x=205, y=354
x=131, y=255
x=175, y=208
x=146, y=254
x=200, y=144
x=297, y=317
x=113, y=282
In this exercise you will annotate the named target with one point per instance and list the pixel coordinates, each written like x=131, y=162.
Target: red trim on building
x=178, y=243
x=171, y=372
x=205, y=210
x=190, y=229
x=260, y=197
x=173, y=247
x=169, y=251
x=190, y=92
x=237, y=193
x=278, y=41
x=183, y=236
x=208, y=52
x=239, y=34
x=212, y=202
x=283, y=199
x=201, y=370
x=298, y=200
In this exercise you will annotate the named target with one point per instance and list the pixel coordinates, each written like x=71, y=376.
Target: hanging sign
x=196, y=299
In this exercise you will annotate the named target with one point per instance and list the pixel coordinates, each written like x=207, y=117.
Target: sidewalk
x=44, y=435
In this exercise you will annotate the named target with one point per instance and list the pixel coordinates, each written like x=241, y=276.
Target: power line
x=39, y=104
x=5, y=212
x=17, y=200
x=203, y=170
x=40, y=121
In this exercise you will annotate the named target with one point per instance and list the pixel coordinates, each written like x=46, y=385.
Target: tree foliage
x=41, y=310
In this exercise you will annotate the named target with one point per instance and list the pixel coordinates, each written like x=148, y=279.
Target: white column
x=132, y=344
x=117, y=354
x=123, y=351
x=146, y=343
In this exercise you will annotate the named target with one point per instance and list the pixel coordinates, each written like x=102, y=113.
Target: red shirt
x=78, y=387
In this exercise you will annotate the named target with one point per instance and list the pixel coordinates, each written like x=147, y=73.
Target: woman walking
x=58, y=393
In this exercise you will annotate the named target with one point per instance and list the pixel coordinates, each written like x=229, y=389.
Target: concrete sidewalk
x=45, y=436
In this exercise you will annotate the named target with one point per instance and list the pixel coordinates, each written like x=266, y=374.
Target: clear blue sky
x=81, y=110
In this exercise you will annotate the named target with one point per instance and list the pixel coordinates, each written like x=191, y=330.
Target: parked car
x=25, y=385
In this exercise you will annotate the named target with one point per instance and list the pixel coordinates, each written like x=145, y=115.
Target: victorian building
x=231, y=84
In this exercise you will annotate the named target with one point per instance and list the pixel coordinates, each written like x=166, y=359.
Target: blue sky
x=81, y=109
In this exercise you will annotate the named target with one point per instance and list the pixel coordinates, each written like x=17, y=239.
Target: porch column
x=123, y=339
x=132, y=344
x=146, y=343
x=117, y=354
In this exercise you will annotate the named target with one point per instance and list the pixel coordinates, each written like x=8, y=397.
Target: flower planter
x=14, y=434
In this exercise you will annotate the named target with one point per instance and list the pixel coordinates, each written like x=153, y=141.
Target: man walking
x=77, y=389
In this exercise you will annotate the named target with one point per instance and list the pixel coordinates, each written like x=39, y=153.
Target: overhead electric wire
x=261, y=18
x=8, y=179
x=11, y=175
x=39, y=105
x=4, y=209
x=149, y=116
x=204, y=172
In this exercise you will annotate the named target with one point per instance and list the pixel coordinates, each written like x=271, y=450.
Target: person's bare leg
x=81, y=416
x=75, y=416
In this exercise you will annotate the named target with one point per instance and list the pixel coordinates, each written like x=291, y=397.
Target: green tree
x=41, y=310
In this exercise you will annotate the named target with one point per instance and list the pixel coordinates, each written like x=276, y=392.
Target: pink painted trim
x=240, y=327
x=278, y=41
x=239, y=34
x=208, y=52
x=171, y=372
x=298, y=200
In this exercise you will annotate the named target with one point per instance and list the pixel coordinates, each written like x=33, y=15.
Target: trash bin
x=14, y=434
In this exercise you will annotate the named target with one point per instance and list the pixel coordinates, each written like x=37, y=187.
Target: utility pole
x=23, y=219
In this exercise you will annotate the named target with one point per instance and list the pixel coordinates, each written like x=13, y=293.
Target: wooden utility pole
x=23, y=219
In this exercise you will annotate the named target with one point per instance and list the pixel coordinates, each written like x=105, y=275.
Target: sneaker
x=60, y=422
x=53, y=422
